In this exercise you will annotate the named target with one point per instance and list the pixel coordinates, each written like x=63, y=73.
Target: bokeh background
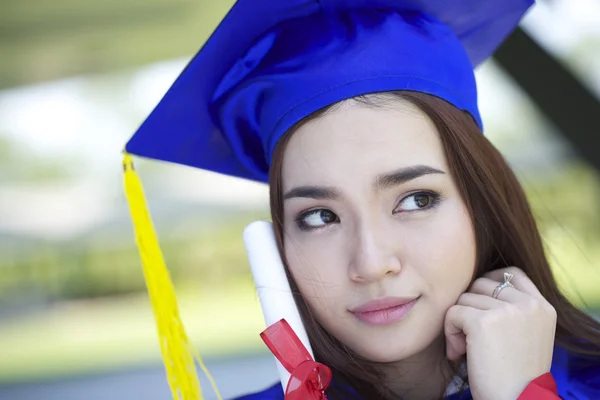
x=76, y=79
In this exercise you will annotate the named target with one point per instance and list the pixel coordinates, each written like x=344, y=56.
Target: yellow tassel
x=177, y=351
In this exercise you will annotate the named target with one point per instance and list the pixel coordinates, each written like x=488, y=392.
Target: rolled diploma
x=272, y=285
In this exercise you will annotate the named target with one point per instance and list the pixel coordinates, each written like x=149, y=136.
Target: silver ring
x=507, y=278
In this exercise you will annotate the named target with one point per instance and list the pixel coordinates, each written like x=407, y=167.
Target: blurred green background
x=77, y=77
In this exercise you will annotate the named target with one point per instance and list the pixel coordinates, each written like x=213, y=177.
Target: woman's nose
x=373, y=258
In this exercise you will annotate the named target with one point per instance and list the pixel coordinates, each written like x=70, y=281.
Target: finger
x=478, y=301
x=486, y=287
x=456, y=329
x=520, y=280
x=456, y=346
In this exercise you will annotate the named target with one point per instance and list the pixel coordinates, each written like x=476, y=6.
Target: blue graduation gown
x=574, y=382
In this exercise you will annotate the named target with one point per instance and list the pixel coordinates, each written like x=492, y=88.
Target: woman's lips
x=384, y=311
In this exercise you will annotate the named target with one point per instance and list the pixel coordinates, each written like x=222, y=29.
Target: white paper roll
x=272, y=285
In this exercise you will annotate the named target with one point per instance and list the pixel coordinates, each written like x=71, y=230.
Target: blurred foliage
x=17, y=165
x=107, y=265
x=567, y=199
x=49, y=40
x=565, y=205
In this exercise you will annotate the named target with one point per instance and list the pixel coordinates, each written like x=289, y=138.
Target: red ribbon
x=309, y=379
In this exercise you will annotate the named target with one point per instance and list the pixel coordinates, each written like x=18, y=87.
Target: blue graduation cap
x=269, y=64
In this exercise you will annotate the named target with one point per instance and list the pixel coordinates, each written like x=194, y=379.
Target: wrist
x=527, y=389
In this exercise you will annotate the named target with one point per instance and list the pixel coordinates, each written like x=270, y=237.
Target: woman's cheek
x=319, y=279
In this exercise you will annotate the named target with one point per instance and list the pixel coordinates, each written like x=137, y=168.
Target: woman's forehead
x=359, y=141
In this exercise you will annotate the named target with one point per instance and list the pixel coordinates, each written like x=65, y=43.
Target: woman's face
x=373, y=220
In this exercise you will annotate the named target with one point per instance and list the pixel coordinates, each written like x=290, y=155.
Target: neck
x=423, y=376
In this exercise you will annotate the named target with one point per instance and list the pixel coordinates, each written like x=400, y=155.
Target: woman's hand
x=508, y=341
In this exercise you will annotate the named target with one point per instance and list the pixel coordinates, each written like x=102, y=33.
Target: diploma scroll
x=271, y=283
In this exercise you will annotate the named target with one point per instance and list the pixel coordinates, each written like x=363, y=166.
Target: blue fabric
x=271, y=63
x=576, y=378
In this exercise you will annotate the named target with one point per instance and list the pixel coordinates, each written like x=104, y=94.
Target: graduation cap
x=268, y=65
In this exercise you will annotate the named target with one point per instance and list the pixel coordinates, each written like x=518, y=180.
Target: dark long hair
x=505, y=232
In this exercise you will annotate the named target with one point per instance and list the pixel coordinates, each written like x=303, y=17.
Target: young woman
x=415, y=260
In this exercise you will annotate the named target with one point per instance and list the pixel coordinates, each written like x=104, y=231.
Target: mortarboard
x=268, y=65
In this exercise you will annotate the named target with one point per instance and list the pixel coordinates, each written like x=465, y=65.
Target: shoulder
x=275, y=392
x=577, y=378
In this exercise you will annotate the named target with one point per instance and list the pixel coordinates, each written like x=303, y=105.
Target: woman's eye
x=316, y=219
x=417, y=201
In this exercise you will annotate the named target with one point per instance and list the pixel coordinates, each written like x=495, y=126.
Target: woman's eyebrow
x=403, y=175
x=313, y=192
x=381, y=182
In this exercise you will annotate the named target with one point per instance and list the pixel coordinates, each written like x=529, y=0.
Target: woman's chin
x=388, y=351
x=385, y=354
